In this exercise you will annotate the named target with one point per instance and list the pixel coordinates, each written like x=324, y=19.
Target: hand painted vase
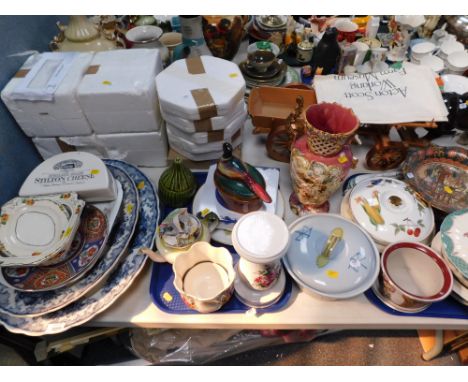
x=239, y=186
x=177, y=185
x=322, y=158
x=315, y=178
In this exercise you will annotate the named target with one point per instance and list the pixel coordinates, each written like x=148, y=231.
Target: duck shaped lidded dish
x=240, y=186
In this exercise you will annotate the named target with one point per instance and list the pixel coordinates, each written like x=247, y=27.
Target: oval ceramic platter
x=352, y=267
x=454, y=230
x=389, y=211
x=35, y=229
x=85, y=250
x=116, y=284
x=440, y=175
x=17, y=303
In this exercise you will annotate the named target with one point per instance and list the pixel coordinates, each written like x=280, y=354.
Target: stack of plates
x=389, y=211
x=101, y=263
x=460, y=282
x=201, y=100
x=274, y=75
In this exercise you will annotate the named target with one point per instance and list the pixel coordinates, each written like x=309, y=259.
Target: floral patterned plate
x=440, y=175
x=17, y=303
x=85, y=250
x=116, y=284
x=454, y=230
x=353, y=266
x=35, y=230
x=390, y=211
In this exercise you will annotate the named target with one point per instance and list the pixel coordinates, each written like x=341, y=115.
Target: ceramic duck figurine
x=233, y=168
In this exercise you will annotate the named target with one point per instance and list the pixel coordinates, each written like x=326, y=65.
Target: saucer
x=259, y=298
x=454, y=231
x=389, y=211
x=271, y=71
x=35, y=230
x=85, y=250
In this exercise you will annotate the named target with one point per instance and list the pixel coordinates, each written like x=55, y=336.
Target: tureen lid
x=353, y=264
x=454, y=231
x=390, y=211
x=260, y=237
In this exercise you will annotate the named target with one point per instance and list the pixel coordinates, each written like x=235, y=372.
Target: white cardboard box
x=61, y=117
x=140, y=149
x=119, y=94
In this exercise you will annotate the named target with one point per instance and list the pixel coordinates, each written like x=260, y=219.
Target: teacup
x=457, y=63
x=346, y=30
x=450, y=46
x=261, y=60
x=422, y=49
x=146, y=36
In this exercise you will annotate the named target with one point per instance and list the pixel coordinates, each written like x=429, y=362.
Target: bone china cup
x=204, y=277
x=413, y=276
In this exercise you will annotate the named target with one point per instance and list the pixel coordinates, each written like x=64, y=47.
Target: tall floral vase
x=322, y=157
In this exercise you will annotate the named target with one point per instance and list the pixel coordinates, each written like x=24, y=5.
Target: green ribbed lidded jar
x=177, y=185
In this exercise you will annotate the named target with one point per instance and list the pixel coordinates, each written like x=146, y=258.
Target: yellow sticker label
x=106, y=83
x=129, y=208
x=167, y=296
x=205, y=212
x=233, y=75
x=332, y=274
x=342, y=159
x=68, y=232
x=95, y=171
x=448, y=190
x=141, y=185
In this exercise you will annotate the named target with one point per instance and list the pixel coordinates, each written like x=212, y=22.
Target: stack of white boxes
x=106, y=104
x=202, y=102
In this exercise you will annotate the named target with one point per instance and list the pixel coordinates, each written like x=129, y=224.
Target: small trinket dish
x=353, y=263
x=413, y=276
x=390, y=211
x=38, y=230
x=261, y=239
x=204, y=277
x=178, y=232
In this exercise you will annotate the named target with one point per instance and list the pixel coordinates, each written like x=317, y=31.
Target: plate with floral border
x=29, y=304
x=86, y=248
x=454, y=231
x=116, y=284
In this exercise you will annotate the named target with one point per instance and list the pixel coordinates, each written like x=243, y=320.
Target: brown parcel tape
x=195, y=65
x=203, y=125
x=205, y=103
x=215, y=136
x=93, y=69
x=21, y=73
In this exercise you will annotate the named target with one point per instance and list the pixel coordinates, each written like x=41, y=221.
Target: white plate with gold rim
x=34, y=230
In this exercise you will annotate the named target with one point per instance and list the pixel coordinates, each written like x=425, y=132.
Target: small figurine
x=239, y=185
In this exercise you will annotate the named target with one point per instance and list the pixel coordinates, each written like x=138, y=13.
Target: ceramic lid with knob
x=261, y=237
x=390, y=211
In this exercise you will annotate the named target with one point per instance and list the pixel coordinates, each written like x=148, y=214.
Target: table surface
x=135, y=307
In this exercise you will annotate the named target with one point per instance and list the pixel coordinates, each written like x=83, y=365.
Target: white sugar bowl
x=261, y=239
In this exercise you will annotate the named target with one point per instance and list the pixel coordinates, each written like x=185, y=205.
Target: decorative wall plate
x=35, y=230
x=85, y=250
x=454, y=230
x=17, y=303
x=116, y=284
x=390, y=211
x=353, y=264
x=440, y=176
